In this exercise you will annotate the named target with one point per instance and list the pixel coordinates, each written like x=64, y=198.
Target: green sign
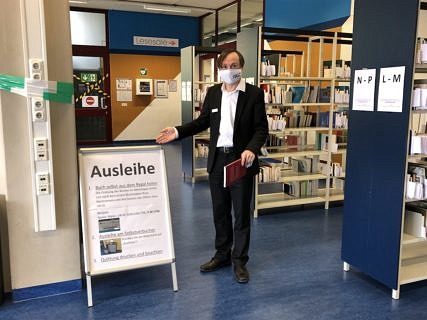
x=88, y=77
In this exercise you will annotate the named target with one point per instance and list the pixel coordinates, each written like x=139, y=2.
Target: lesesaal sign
x=155, y=42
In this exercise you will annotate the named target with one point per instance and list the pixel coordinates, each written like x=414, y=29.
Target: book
x=301, y=164
x=297, y=93
x=314, y=92
x=325, y=95
x=292, y=140
x=415, y=224
x=233, y=172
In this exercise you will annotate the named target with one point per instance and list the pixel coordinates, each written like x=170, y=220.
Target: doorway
x=91, y=77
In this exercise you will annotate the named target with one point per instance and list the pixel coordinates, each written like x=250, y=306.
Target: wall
x=303, y=13
x=45, y=257
x=144, y=116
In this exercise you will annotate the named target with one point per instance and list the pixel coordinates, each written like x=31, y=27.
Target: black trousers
x=237, y=197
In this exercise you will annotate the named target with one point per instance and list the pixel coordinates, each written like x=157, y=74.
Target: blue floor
x=295, y=267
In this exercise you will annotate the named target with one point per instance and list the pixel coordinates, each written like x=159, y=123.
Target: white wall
x=44, y=257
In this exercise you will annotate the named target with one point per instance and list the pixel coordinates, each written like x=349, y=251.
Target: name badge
x=215, y=110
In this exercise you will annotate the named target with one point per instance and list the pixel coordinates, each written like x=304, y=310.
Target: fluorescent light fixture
x=78, y=1
x=166, y=8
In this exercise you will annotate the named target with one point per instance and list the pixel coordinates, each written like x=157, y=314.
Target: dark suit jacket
x=250, y=123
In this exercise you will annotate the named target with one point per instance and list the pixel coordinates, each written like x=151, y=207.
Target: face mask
x=230, y=76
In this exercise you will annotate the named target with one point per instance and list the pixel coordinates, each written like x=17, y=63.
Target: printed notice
x=390, y=90
x=127, y=209
x=124, y=95
x=364, y=90
x=124, y=89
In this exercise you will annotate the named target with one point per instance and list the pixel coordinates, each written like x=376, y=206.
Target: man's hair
x=225, y=53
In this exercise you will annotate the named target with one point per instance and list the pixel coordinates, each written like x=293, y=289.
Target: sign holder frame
x=90, y=270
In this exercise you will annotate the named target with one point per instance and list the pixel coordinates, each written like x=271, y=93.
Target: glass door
x=92, y=99
x=91, y=68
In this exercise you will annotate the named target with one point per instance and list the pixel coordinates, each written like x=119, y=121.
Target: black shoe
x=214, y=264
x=241, y=273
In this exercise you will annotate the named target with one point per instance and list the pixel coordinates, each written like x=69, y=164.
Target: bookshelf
x=197, y=74
x=377, y=239
x=309, y=119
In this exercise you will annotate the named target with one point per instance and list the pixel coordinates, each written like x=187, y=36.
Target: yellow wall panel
x=127, y=66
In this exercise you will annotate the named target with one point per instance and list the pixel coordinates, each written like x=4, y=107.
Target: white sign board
x=125, y=208
x=364, y=90
x=390, y=90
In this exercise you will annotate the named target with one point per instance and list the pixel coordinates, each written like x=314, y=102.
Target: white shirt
x=228, y=114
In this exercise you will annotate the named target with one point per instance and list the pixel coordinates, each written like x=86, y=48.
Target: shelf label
x=390, y=90
x=364, y=90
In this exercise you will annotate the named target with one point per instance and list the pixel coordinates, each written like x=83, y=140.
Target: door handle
x=103, y=104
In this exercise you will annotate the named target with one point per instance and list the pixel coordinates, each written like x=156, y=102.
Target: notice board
x=124, y=208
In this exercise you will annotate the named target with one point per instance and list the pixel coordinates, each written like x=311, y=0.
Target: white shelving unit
x=194, y=84
x=413, y=250
x=270, y=198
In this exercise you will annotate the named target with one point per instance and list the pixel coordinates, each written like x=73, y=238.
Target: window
x=251, y=16
x=251, y=13
x=227, y=24
x=208, y=31
x=88, y=28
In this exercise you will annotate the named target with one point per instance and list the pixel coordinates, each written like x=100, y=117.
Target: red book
x=233, y=172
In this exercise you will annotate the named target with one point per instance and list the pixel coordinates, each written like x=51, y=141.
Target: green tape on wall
x=64, y=92
x=8, y=82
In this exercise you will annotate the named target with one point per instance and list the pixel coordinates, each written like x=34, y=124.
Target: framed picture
x=144, y=87
x=173, y=85
x=161, y=88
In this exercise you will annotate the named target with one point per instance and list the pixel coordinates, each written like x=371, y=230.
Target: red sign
x=90, y=100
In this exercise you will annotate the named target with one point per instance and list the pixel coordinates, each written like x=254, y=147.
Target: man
x=235, y=113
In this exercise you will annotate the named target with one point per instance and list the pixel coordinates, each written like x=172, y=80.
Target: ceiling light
x=78, y=1
x=166, y=8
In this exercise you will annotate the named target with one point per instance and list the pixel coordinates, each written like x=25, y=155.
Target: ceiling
x=193, y=8
x=251, y=12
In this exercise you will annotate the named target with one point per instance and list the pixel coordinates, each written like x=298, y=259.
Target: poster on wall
x=124, y=90
x=364, y=90
x=173, y=85
x=124, y=84
x=161, y=88
x=125, y=208
x=390, y=89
